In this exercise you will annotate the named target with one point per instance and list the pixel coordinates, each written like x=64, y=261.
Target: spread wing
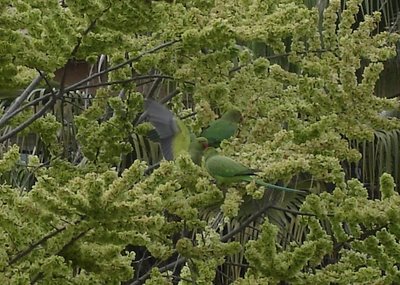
x=165, y=124
x=161, y=118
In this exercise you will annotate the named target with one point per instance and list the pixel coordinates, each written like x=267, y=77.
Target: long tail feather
x=272, y=186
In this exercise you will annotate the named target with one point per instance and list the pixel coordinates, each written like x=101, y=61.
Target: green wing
x=224, y=167
x=226, y=170
x=223, y=128
x=218, y=131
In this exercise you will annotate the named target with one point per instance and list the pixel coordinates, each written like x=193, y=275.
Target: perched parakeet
x=174, y=135
x=223, y=128
x=225, y=170
x=196, y=149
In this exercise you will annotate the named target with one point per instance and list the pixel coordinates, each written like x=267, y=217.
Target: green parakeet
x=196, y=149
x=225, y=170
x=174, y=135
x=223, y=128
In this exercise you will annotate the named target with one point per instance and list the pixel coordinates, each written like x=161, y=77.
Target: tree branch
x=122, y=64
x=55, y=96
x=248, y=221
x=188, y=115
x=66, y=246
x=293, y=211
x=151, y=168
x=29, y=121
x=154, y=87
x=8, y=114
x=224, y=238
x=25, y=252
x=170, y=96
x=282, y=55
x=170, y=266
x=70, y=88
x=363, y=236
x=122, y=81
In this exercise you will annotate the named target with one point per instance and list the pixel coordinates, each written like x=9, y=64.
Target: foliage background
x=80, y=204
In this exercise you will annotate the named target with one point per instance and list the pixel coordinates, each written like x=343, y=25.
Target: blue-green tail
x=272, y=186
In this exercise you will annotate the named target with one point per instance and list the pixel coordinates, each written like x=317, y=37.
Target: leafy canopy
x=77, y=222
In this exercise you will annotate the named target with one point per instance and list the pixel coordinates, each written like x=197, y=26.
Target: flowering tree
x=93, y=221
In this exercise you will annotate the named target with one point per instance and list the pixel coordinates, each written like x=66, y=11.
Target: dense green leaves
x=88, y=218
x=361, y=240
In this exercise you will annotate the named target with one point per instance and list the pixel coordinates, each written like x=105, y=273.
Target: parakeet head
x=202, y=141
x=233, y=115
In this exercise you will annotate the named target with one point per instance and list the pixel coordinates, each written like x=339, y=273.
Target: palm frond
x=378, y=156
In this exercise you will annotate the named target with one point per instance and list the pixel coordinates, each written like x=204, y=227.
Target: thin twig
x=25, y=252
x=154, y=87
x=29, y=121
x=364, y=235
x=170, y=266
x=238, y=264
x=297, y=52
x=224, y=238
x=59, y=93
x=282, y=55
x=170, y=96
x=47, y=81
x=70, y=88
x=243, y=225
x=143, y=83
x=17, y=102
x=151, y=168
x=294, y=211
x=230, y=279
x=178, y=278
x=74, y=104
x=122, y=81
x=122, y=64
x=393, y=26
x=66, y=246
x=31, y=103
x=73, y=240
x=188, y=115
x=140, y=262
